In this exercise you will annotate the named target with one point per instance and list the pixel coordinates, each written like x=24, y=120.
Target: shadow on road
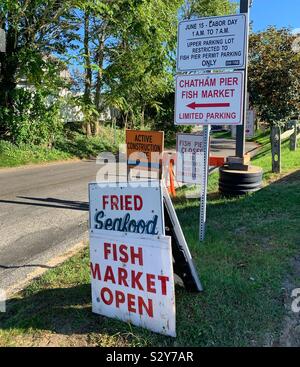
x=50, y=203
x=5, y=267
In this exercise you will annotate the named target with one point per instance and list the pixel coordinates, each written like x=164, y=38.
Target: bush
x=12, y=155
x=84, y=147
x=32, y=119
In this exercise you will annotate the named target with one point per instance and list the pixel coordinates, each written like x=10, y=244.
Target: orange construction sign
x=144, y=149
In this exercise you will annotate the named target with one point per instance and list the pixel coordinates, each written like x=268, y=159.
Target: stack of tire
x=237, y=183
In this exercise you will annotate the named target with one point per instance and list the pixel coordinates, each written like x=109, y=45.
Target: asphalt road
x=44, y=212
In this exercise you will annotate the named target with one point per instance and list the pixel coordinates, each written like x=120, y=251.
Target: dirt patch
x=53, y=340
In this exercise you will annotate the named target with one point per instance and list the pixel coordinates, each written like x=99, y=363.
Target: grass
x=221, y=134
x=243, y=264
x=290, y=160
x=12, y=155
x=78, y=146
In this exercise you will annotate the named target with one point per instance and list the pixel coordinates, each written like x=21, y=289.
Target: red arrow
x=194, y=105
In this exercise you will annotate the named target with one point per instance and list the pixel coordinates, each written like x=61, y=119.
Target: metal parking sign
x=132, y=280
x=209, y=99
x=212, y=43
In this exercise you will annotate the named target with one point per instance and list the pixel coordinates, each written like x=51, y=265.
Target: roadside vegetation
x=243, y=264
x=77, y=146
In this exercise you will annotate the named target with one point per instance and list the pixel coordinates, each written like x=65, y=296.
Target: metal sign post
x=203, y=189
x=241, y=130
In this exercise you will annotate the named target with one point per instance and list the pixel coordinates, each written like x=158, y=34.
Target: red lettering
x=123, y=252
x=106, y=250
x=104, y=201
x=95, y=271
x=122, y=202
x=136, y=255
x=109, y=275
x=150, y=283
x=142, y=304
x=115, y=252
x=122, y=277
x=120, y=298
x=130, y=302
x=135, y=280
x=164, y=279
x=128, y=202
x=102, y=295
x=138, y=202
x=114, y=202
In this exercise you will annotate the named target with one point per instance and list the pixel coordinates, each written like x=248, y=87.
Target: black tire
x=237, y=183
x=240, y=176
x=240, y=179
x=240, y=186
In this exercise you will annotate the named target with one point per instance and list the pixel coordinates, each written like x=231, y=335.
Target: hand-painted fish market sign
x=126, y=207
x=132, y=279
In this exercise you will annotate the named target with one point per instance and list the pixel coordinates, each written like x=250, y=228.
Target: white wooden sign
x=209, y=99
x=212, y=43
x=189, y=158
x=132, y=280
x=135, y=207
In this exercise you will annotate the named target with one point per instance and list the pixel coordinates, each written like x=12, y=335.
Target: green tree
x=274, y=81
x=140, y=56
x=34, y=28
x=205, y=8
x=274, y=75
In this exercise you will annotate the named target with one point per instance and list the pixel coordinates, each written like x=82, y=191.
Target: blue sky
x=281, y=13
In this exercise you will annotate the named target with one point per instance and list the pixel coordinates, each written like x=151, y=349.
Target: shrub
x=34, y=118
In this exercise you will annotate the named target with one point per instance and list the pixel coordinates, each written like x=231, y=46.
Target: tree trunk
x=87, y=58
x=125, y=120
x=88, y=71
x=88, y=129
x=96, y=127
x=143, y=118
x=99, y=81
